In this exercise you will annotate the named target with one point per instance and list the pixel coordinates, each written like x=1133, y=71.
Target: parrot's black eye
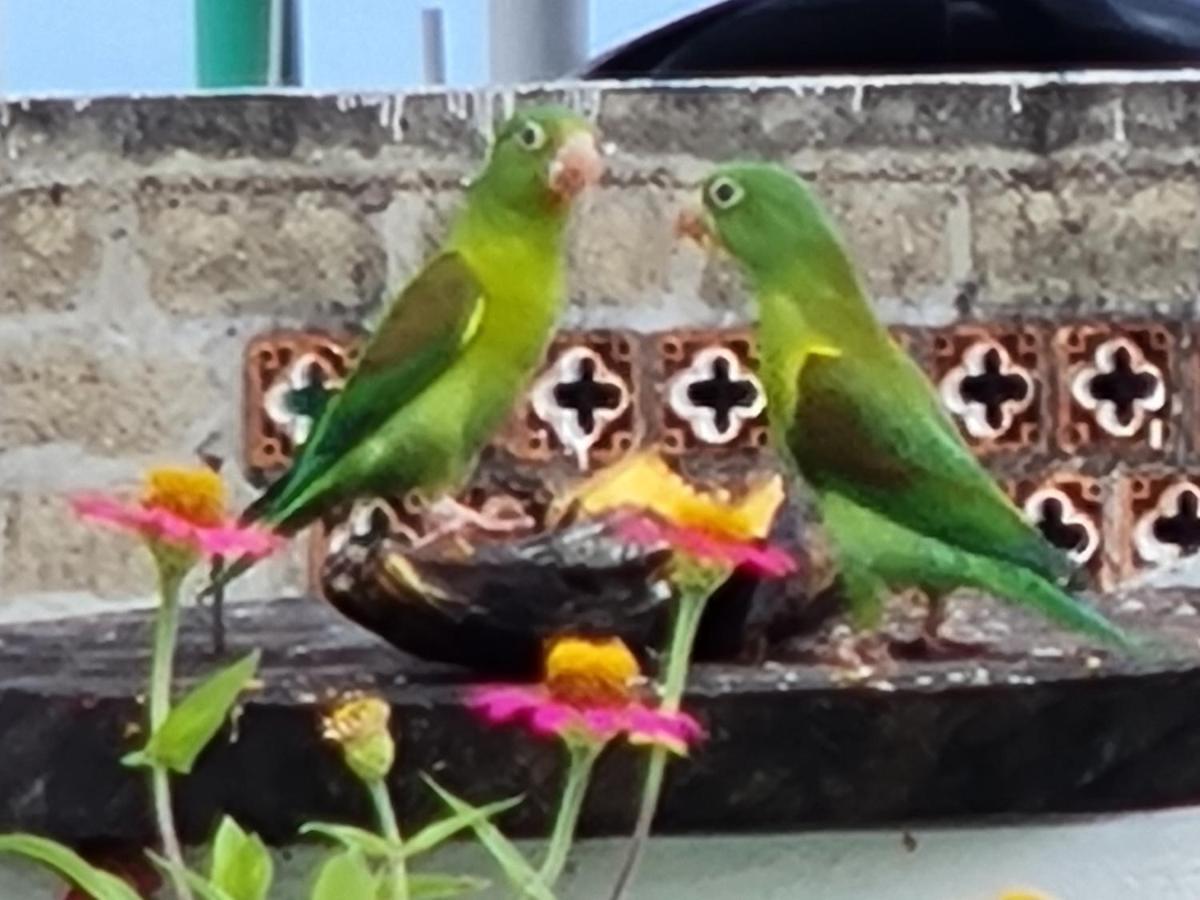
x=725, y=193
x=532, y=136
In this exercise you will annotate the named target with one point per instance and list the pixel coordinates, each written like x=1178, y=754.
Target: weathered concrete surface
x=143, y=240
x=1150, y=855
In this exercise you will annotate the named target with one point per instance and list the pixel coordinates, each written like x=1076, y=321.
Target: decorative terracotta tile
x=1117, y=388
x=991, y=378
x=709, y=394
x=1191, y=388
x=583, y=404
x=287, y=376
x=497, y=488
x=1158, y=519
x=1104, y=391
x=1069, y=510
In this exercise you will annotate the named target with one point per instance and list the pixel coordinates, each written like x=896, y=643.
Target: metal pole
x=290, y=72
x=536, y=40
x=433, y=45
x=233, y=43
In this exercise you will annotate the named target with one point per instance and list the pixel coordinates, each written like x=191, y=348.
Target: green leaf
x=437, y=832
x=515, y=866
x=197, y=719
x=241, y=865
x=374, y=846
x=200, y=885
x=97, y=883
x=433, y=886
x=347, y=876
x=370, y=844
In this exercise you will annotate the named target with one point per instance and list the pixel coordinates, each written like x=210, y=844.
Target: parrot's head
x=761, y=214
x=542, y=159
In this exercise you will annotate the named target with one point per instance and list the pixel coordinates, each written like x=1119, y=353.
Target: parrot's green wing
x=425, y=330
x=893, y=450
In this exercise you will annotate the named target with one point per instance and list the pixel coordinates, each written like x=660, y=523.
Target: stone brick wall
x=144, y=242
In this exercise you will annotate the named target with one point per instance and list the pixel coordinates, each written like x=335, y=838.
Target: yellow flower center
x=194, y=494
x=586, y=672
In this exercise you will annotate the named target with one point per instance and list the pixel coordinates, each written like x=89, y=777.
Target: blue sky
x=118, y=46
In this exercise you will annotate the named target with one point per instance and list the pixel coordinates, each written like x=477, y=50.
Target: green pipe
x=233, y=43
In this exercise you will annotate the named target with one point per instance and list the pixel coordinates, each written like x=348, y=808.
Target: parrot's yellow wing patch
x=805, y=352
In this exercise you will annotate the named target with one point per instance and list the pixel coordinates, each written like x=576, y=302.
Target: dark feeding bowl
x=491, y=606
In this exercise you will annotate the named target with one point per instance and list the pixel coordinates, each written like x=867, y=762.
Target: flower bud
x=359, y=725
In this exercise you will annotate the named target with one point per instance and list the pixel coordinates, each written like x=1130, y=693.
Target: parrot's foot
x=860, y=655
x=933, y=644
x=501, y=515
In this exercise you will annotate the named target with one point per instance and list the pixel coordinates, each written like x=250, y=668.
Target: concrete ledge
x=790, y=748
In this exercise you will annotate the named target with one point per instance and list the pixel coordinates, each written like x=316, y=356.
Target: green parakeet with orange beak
x=903, y=499
x=454, y=351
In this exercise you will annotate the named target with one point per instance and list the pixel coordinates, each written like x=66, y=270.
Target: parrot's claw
x=856, y=656
x=866, y=653
x=499, y=515
x=933, y=644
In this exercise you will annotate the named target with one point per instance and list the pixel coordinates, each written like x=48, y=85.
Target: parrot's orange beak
x=575, y=166
x=692, y=223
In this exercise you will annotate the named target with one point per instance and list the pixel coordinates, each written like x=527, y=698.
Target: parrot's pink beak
x=692, y=223
x=575, y=166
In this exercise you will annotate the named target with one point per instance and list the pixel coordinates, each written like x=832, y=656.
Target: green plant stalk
x=581, y=756
x=171, y=572
x=396, y=885
x=689, y=611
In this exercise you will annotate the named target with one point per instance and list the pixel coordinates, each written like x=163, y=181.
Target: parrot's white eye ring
x=725, y=193
x=532, y=136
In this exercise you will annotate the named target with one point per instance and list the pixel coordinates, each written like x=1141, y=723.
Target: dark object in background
x=492, y=609
x=780, y=37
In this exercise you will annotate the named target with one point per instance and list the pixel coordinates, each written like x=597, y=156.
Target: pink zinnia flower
x=184, y=508
x=587, y=693
x=653, y=505
x=706, y=545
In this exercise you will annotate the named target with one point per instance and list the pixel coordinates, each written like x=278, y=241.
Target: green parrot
x=904, y=501
x=452, y=354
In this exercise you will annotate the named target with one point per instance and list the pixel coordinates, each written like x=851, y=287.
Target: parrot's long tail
x=1029, y=589
x=897, y=555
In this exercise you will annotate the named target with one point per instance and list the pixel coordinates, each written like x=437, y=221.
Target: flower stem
x=170, y=577
x=689, y=611
x=581, y=758
x=679, y=656
x=396, y=886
